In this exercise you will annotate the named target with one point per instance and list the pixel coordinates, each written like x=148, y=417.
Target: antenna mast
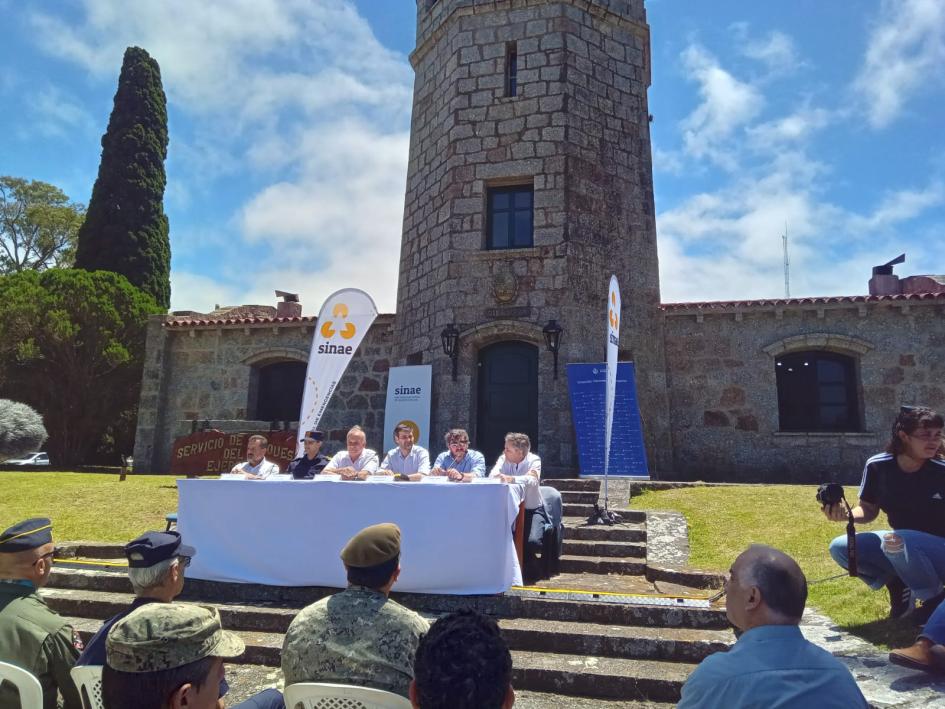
x=787, y=265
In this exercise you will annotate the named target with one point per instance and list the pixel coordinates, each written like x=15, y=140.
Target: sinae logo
x=330, y=328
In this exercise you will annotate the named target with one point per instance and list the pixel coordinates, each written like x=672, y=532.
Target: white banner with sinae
x=343, y=321
x=613, y=341
x=408, y=402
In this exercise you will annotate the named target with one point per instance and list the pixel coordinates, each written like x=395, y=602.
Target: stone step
x=572, y=484
x=562, y=673
x=576, y=528
x=604, y=548
x=601, y=565
x=275, y=617
x=574, y=509
x=579, y=497
x=620, y=641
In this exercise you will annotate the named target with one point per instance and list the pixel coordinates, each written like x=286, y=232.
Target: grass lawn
x=88, y=506
x=723, y=521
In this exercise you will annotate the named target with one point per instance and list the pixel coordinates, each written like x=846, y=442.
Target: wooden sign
x=214, y=452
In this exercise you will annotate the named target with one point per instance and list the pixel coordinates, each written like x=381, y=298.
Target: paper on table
x=435, y=479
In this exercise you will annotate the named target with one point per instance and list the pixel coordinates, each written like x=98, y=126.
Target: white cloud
x=56, y=113
x=796, y=127
x=905, y=52
x=727, y=104
x=776, y=51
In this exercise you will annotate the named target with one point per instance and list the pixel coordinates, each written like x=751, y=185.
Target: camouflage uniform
x=39, y=640
x=359, y=637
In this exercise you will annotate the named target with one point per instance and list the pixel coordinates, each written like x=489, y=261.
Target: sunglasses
x=183, y=561
x=47, y=555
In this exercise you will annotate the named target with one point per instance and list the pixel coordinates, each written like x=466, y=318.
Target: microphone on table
x=21, y=430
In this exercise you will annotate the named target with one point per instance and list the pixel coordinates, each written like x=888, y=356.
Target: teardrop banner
x=613, y=341
x=343, y=321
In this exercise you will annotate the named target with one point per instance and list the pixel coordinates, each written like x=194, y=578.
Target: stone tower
x=529, y=183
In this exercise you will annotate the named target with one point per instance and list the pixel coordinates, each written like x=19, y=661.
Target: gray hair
x=150, y=576
x=519, y=441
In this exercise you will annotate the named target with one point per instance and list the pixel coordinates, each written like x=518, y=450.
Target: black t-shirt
x=304, y=468
x=910, y=500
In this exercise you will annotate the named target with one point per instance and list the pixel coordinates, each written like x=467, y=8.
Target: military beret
x=154, y=547
x=28, y=534
x=372, y=546
x=162, y=636
x=314, y=435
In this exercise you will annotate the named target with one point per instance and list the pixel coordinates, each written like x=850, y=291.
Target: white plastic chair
x=31, y=691
x=88, y=680
x=324, y=695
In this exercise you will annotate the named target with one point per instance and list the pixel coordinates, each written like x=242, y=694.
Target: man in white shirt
x=406, y=459
x=357, y=462
x=518, y=465
x=256, y=467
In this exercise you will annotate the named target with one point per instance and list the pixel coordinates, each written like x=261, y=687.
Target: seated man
x=771, y=665
x=170, y=655
x=31, y=635
x=459, y=462
x=357, y=462
x=518, y=464
x=256, y=466
x=463, y=663
x=156, y=563
x=358, y=636
x=313, y=461
x=928, y=652
x=407, y=458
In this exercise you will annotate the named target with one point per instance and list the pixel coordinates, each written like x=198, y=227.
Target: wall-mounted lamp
x=552, y=332
x=450, y=339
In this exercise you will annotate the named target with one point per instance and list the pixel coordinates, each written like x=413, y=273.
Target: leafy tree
x=38, y=225
x=72, y=346
x=126, y=230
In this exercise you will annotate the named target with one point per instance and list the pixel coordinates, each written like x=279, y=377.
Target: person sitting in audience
x=33, y=636
x=928, y=651
x=256, y=467
x=407, y=458
x=772, y=664
x=463, y=663
x=459, y=462
x=519, y=465
x=156, y=563
x=358, y=636
x=357, y=462
x=169, y=656
x=313, y=461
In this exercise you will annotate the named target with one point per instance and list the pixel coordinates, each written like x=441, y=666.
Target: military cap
x=162, y=636
x=314, y=435
x=28, y=534
x=372, y=546
x=154, y=547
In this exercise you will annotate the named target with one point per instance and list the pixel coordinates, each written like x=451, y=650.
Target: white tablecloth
x=456, y=538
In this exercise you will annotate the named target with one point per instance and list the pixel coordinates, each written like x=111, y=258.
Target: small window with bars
x=511, y=69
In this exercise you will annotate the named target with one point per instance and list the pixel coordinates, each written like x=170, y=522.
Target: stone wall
x=203, y=372
x=578, y=132
x=723, y=392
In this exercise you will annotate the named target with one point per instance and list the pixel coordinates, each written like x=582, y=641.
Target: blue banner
x=587, y=388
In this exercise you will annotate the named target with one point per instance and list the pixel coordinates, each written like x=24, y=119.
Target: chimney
x=289, y=306
x=884, y=281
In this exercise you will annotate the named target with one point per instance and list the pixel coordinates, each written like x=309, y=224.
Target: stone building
x=530, y=183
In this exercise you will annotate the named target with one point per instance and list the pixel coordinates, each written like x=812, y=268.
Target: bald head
x=766, y=587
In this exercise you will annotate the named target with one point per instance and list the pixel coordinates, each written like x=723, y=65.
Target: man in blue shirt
x=771, y=666
x=459, y=462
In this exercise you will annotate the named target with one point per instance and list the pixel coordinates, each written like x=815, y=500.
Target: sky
x=289, y=130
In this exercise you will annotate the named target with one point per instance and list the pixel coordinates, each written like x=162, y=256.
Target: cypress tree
x=125, y=227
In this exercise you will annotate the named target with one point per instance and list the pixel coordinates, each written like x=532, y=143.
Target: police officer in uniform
x=307, y=466
x=358, y=636
x=31, y=635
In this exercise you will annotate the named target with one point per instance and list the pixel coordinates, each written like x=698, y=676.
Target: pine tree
x=125, y=228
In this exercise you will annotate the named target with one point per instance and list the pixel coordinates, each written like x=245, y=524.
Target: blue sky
x=289, y=129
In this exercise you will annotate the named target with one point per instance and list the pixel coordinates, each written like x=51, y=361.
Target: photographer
x=907, y=482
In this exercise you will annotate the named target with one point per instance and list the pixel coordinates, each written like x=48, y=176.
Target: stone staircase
x=620, y=654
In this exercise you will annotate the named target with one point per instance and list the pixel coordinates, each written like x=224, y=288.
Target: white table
x=456, y=537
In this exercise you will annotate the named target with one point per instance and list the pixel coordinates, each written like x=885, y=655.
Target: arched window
x=817, y=391
x=276, y=391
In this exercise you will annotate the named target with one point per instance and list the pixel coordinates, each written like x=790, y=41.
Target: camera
x=830, y=493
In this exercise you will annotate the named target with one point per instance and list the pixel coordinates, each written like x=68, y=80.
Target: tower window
x=817, y=391
x=511, y=69
x=510, y=217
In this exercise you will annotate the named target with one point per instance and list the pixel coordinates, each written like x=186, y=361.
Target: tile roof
x=205, y=320
x=788, y=302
